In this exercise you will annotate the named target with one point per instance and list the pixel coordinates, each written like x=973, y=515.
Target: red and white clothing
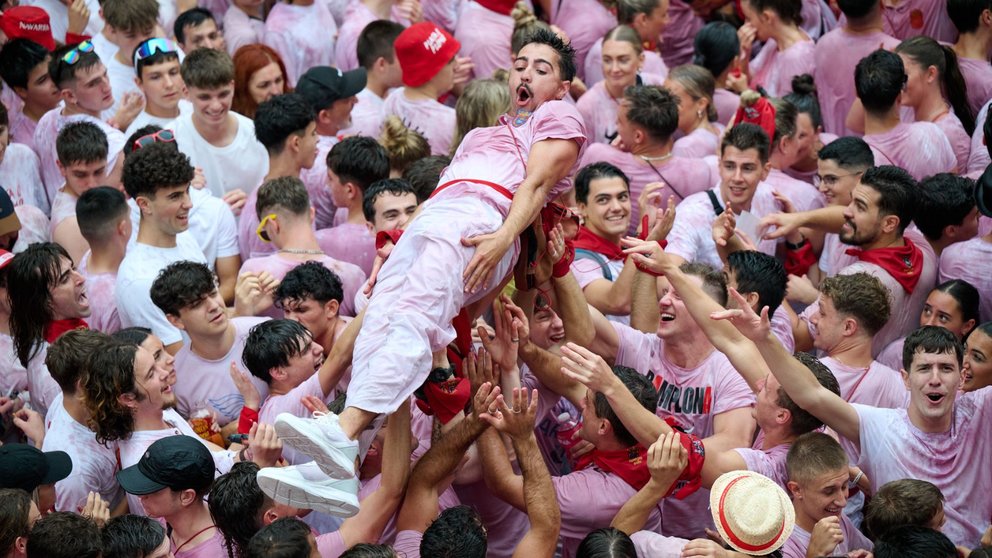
x=921, y=148
x=485, y=37
x=908, y=18
x=349, y=242
x=302, y=35
x=774, y=69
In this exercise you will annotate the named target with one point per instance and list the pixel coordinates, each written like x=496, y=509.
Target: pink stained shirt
x=893, y=448
x=485, y=37
x=908, y=18
x=34, y=227
x=919, y=147
x=63, y=207
x=436, y=122
x=692, y=397
x=351, y=243
x=649, y=543
x=972, y=261
x=240, y=29
x=275, y=404
x=206, y=384
x=833, y=257
x=585, y=22
x=978, y=79
x=726, y=103
x=315, y=179
x=599, y=110
x=302, y=35
x=835, y=56
x=356, y=16
x=891, y=355
x=680, y=32
x=278, y=265
x=100, y=292
x=692, y=238
x=769, y=462
x=979, y=158
x=951, y=125
x=210, y=548
x=13, y=376
x=684, y=177
x=21, y=172
x=774, y=69
x=782, y=329
x=653, y=64
x=22, y=129
x=797, y=543
x=697, y=144
x=366, y=116
x=803, y=195
x=878, y=385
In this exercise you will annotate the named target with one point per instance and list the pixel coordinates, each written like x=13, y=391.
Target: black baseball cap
x=27, y=467
x=176, y=462
x=8, y=216
x=983, y=192
x=322, y=85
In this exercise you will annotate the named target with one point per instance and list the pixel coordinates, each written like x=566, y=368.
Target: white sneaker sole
x=314, y=497
x=304, y=436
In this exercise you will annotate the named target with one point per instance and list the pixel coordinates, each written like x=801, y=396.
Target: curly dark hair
x=109, y=374
x=154, y=167
x=309, y=280
x=31, y=306
x=182, y=284
x=236, y=503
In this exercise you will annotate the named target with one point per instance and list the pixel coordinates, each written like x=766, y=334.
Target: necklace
x=300, y=251
x=658, y=158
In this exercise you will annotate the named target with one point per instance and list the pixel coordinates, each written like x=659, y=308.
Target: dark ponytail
x=928, y=52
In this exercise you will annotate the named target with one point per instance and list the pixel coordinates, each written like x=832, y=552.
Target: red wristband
x=247, y=418
x=562, y=266
x=798, y=262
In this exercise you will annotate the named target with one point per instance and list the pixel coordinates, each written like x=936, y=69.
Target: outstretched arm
x=666, y=460
x=339, y=360
x=827, y=219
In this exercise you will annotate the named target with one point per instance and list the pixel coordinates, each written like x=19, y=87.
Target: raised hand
x=502, y=347
x=480, y=373
x=649, y=255
x=516, y=421
x=264, y=445
x=254, y=293
x=96, y=509
x=587, y=368
x=750, y=324
x=825, y=537
x=235, y=199
x=664, y=219
x=247, y=389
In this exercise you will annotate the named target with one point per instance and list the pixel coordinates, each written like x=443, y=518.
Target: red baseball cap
x=28, y=22
x=423, y=49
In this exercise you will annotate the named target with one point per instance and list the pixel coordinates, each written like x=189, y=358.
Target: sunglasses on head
x=153, y=46
x=74, y=54
x=160, y=136
x=263, y=234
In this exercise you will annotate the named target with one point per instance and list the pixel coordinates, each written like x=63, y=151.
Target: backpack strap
x=717, y=208
x=583, y=254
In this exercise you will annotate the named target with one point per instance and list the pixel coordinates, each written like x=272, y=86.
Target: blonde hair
x=698, y=82
x=404, y=145
x=626, y=34
x=480, y=106
x=525, y=23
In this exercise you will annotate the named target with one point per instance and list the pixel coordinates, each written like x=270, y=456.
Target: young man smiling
x=156, y=65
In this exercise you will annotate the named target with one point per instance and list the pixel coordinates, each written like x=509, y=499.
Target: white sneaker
x=367, y=436
x=307, y=487
x=321, y=438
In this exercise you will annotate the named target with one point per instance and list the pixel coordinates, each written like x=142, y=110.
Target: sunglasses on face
x=73, y=55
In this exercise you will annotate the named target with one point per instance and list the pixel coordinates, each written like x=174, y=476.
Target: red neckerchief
x=56, y=328
x=903, y=263
x=588, y=240
x=629, y=464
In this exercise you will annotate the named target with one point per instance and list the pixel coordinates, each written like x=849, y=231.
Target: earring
x=699, y=114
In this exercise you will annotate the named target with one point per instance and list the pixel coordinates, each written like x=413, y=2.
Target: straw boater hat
x=752, y=512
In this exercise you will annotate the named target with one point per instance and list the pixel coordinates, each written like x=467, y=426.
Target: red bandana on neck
x=56, y=328
x=903, y=263
x=629, y=464
x=588, y=240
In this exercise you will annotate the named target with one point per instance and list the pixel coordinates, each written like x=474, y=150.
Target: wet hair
x=625, y=34
x=857, y=9
x=18, y=58
x=394, y=186
x=359, y=160
x=913, y=541
x=715, y=46
x=480, y=106
x=714, y=283
x=247, y=60
x=896, y=192
x=286, y=193
x=206, y=68
x=802, y=420
x=861, y=296
x=376, y=41
x=606, y=542
x=403, y=144
x=63, y=73
x=236, y=505
x=271, y=344
x=965, y=294
x=366, y=550
x=110, y=373
x=654, y=109
x=524, y=24
x=15, y=517
x=30, y=276
x=156, y=166
x=286, y=537
x=130, y=16
x=785, y=118
x=642, y=389
x=309, y=280
x=932, y=340
x=457, y=532
x=849, y=152
x=698, y=83
x=280, y=117
x=64, y=535
x=596, y=171
x=965, y=14
x=98, y=211
x=68, y=355
x=182, y=284
x=81, y=142
x=804, y=98
x=813, y=454
x=757, y=272
x=744, y=136
x=627, y=10
x=193, y=17
x=927, y=52
x=131, y=536
x=879, y=79
x=902, y=502
x=566, y=54
x=789, y=11
x=425, y=174
x=151, y=60
x=948, y=200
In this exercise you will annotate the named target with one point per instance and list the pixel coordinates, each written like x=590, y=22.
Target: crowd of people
x=486, y=278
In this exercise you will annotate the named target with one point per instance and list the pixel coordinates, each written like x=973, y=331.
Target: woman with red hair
x=259, y=75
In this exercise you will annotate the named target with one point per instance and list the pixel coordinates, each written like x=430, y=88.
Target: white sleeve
x=134, y=303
